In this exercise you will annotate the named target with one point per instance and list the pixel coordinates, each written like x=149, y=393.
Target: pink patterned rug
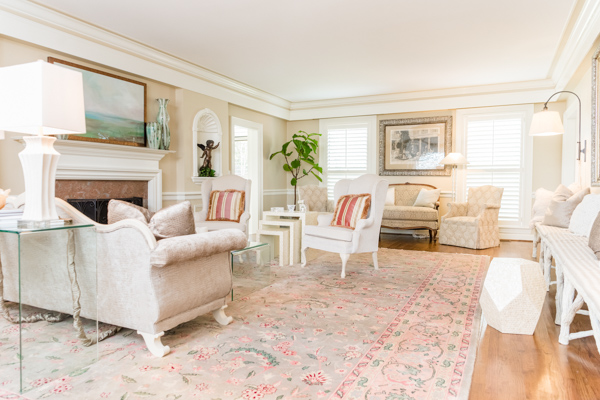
x=406, y=332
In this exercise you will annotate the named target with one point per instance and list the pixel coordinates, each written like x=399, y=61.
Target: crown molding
x=42, y=26
x=39, y=25
x=578, y=44
x=443, y=99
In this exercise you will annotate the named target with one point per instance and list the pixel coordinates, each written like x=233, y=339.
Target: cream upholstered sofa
x=473, y=224
x=403, y=215
x=364, y=238
x=142, y=284
x=225, y=182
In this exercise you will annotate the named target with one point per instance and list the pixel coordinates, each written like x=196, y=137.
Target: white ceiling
x=323, y=49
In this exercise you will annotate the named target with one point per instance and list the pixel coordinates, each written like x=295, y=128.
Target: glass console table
x=48, y=304
x=251, y=274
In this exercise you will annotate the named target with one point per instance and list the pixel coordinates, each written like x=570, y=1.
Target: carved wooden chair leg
x=430, y=235
x=435, y=235
x=154, y=344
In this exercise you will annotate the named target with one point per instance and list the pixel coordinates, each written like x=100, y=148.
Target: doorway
x=247, y=162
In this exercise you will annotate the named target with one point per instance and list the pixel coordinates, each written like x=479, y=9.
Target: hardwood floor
x=514, y=367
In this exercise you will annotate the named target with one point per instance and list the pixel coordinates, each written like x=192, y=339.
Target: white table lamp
x=454, y=160
x=41, y=99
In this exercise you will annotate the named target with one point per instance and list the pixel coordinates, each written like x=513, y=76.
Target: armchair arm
x=185, y=248
x=325, y=219
x=489, y=214
x=131, y=224
x=456, y=210
x=244, y=218
x=363, y=224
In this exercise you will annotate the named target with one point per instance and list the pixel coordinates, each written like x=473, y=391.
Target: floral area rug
x=405, y=332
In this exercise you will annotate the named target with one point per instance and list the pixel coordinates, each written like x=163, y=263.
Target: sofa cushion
x=119, y=210
x=226, y=205
x=427, y=198
x=176, y=220
x=329, y=232
x=350, y=208
x=410, y=213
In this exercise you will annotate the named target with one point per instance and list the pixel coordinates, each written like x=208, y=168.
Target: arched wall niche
x=206, y=127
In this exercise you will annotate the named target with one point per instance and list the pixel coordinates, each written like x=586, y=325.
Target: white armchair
x=473, y=224
x=225, y=182
x=364, y=238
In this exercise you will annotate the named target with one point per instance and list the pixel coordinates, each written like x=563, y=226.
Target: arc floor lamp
x=547, y=123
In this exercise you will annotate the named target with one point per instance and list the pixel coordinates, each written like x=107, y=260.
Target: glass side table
x=254, y=273
x=47, y=276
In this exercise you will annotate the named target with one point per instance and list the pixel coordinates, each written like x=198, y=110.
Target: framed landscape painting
x=414, y=146
x=115, y=107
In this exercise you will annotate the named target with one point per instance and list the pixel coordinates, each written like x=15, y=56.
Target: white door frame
x=255, y=166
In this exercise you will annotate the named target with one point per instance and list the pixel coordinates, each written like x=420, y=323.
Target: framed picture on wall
x=115, y=107
x=414, y=146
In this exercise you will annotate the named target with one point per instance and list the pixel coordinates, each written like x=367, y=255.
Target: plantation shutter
x=347, y=153
x=494, y=151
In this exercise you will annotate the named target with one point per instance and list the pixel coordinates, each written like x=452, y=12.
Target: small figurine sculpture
x=206, y=153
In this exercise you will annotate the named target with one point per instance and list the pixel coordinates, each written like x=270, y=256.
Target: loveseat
x=402, y=214
x=142, y=284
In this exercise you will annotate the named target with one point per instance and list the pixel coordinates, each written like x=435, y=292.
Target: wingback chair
x=315, y=199
x=473, y=224
x=225, y=182
x=345, y=241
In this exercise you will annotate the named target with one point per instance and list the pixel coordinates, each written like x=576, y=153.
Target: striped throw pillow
x=349, y=209
x=226, y=205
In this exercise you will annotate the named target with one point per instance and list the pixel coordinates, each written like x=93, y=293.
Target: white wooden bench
x=577, y=271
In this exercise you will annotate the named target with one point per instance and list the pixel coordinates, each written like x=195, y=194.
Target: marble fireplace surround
x=92, y=161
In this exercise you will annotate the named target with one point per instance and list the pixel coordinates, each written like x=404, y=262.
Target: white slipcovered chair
x=364, y=238
x=225, y=182
x=473, y=224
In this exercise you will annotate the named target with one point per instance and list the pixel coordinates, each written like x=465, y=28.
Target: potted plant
x=298, y=151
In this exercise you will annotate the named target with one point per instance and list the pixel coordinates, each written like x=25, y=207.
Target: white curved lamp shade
x=40, y=98
x=546, y=123
x=454, y=159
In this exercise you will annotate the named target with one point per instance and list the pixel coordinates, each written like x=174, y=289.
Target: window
x=347, y=149
x=496, y=144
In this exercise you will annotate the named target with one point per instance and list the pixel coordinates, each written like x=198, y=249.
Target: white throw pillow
x=543, y=197
x=584, y=215
x=390, y=197
x=427, y=198
x=559, y=212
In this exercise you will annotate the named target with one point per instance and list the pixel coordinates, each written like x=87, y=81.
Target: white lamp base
x=39, y=160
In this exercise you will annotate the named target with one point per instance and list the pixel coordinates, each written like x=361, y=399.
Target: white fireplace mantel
x=82, y=160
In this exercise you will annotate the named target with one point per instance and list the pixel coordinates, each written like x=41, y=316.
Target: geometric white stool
x=513, y=295
x=273, y=234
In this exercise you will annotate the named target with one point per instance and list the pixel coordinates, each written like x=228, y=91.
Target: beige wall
x=14, y=52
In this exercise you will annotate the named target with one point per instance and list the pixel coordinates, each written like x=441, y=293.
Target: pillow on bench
x=559, y=211
x=584, y=215
x=594, y=240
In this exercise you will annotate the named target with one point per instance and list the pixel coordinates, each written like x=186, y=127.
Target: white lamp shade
x=41, y=99
x=454, y=159
x=546, y=123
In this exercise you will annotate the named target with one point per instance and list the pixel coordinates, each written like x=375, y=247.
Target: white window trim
x=513, y=231
x=371, y=122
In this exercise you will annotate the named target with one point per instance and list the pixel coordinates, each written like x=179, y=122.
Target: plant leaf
x=295, y=163
x=287, y=168
x=294, y=181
